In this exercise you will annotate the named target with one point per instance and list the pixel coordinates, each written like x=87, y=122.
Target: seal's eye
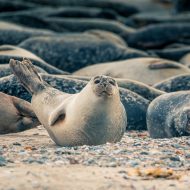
x=112, y=82
x=97, y=81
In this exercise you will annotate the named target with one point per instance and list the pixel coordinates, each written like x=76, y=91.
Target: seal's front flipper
x=163, y=65
x=57, y=115
x=27, y=75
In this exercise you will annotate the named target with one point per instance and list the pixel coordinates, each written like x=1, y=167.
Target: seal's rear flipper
x=163, y=65
x=23, y=107
x=28, y=119
x=27, y=75
x=57, y=115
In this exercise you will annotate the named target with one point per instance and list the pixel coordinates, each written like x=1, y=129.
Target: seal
x=171, y=32
x=185, y=60
x=14, y=34
x=80, y=49
x=169, y=115
x=181, y=6
x=65, y=12
x=135, y=102
x=8, y=51
x=173, y=84
x=16, y=115
x=122, y=8
x=154, y=17
x=174, y=54
x=145, y=69
x=93, y=116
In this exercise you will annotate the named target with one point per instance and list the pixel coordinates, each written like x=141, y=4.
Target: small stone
x=3, y=161
x=133, y=163
x=175, y=158
x=16, y=144
x=177, y=146
x=144, y=153
x=187, y=155
x=112, y=164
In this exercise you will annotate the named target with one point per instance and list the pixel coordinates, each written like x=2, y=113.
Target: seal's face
x=104, y=86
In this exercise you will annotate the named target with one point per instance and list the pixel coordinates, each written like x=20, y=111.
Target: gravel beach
x=144, y=45
x=30, y=160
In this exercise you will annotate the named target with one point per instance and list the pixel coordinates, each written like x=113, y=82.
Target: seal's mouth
x=105, y=93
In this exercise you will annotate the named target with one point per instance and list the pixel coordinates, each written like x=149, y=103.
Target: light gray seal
x=8, y=51
x=93, y=116
x=146, y=69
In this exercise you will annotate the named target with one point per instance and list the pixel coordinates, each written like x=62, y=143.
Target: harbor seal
x=146, y=69
x=135, y=100
x=169, y=115
x=14, y=34
x=185, y=60
x=16, y=115
x=80, y=49
x=149, y=37
x=173, y=84
x=8, y=51
x=181, y=6
x=93, y=116
x=174, y=54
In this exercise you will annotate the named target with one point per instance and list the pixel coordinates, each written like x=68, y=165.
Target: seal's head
x=104, y=86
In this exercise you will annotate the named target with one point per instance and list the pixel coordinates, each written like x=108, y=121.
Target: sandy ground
x=18, y=171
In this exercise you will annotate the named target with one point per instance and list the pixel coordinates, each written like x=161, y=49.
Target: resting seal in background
x=145, y=69
x=8, y=51
x=169, y=115
x=93, y=116
x=16, y=115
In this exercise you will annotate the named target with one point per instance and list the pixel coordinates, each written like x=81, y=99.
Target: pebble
x=187, y=155
x=3, y=161
x=175, y=158
x=17, y=144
